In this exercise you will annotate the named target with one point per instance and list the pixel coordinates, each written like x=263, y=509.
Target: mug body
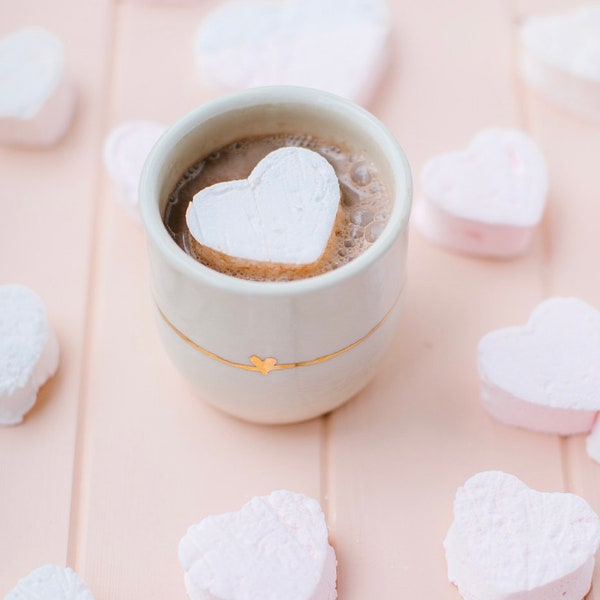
x=276, y=352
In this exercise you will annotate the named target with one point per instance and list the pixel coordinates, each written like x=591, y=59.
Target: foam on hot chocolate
x=363, y=208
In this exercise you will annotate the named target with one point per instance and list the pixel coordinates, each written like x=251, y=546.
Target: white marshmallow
x=36, y=99
x=275, y=547
x=125, y=151
x=592, y=442
x=28, y=351
x=283, y=213
x=509, y=542
x=336, y=45
x=487, y=199
x=50, y=583
x=560, y=58
x=544, y=376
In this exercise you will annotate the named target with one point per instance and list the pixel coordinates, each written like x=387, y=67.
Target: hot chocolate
x=365, y=203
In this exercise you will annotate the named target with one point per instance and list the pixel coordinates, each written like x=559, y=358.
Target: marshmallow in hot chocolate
x=283, y=213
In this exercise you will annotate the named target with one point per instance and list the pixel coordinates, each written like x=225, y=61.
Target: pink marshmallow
x=486, y=200
x=37, y=99
x=50, y=583
x=29, y=351
x=544, y=376
x=509, y=542
x=560, y=59
x=275, y=547
x=340, y=46
x=125, y=151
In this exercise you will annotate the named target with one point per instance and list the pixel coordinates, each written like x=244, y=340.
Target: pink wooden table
x=118, y=457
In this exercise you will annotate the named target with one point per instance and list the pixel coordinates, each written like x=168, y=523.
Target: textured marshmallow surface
x=509, y=542
x=545, y=376
x=283, y=213
x=36, y=102
x=28, y=351
x=337, y=45
x=275, y=547
x=125, y=150
x=570, y=42
x=560, y=59
x=487, y=198
x=50, y=583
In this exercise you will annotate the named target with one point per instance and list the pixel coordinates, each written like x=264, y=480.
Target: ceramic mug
x=276, y=352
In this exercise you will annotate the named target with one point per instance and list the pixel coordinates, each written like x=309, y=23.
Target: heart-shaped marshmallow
x=487, y=199
x=544, y=376
x=336, y=45
x=283, y=213
x=274, y=548
x=125, y=151
x=50, y=583
x=560, y=58
x=509, y=542
x=36, y=100
x=28, y=351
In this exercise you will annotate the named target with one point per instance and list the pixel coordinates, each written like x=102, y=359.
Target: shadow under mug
x=276, y=352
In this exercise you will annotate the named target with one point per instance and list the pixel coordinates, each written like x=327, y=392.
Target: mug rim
x=149, y=188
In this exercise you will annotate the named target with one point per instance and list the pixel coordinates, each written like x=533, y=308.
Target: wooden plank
x=156, y=458
x=119, y=457
x=572, y=148
x=48, y=200
x=400, y=450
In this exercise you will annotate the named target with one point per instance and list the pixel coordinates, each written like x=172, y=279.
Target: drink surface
x=364, y=204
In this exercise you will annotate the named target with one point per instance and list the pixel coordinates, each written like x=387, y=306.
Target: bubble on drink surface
x=333, y=154
x=362, y=216
x=350, y=197
x=192, y=172
x=361, y=174
x=373, y=231
x=356, y=232
x=307, y=141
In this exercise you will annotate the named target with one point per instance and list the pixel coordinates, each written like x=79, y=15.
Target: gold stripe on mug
x=270, y=363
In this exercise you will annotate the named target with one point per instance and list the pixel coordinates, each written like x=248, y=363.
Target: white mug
x=276, y=352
